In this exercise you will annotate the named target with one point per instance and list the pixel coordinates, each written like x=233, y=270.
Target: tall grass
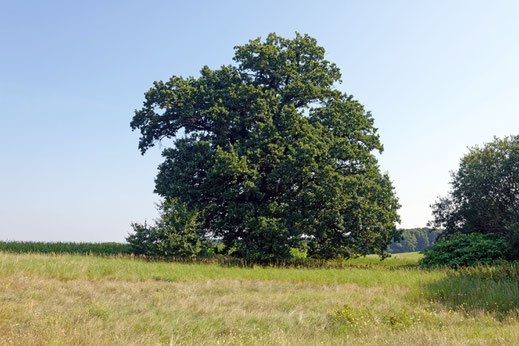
x=110, y=249
x=73, y=267
x=485, y=287
x=77, y=299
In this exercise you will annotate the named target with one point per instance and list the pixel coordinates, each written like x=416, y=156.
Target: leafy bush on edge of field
x=462, y=250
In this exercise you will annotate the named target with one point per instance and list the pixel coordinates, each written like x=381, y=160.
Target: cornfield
x=70, y=247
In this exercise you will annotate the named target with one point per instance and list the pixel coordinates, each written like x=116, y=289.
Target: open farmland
x=64, y=247
x=73, y=299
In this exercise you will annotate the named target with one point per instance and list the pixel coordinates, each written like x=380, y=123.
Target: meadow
x=100, y=300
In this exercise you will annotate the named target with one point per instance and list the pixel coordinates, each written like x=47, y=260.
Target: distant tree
x=415, y=239
x=271, y=156
x=422, y=241
x=433, y=236
x=406, y=242
x=485, y=193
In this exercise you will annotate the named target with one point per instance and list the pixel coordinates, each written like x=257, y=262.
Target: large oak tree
x=271, y=154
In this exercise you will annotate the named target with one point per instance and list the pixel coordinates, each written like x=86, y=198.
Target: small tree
x=142, y=240
x=485, y=193
x=175, y=234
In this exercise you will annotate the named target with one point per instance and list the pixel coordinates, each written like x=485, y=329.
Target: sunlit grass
x=71, y=267
x=73, y=299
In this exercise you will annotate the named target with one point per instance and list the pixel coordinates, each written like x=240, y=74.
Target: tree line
x=414, y=239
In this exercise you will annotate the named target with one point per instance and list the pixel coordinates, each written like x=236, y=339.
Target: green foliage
x=298, y=254
x=142, y=240
x=177, y=231
x=485, y=193
x=467, y=250
x=416, y=239
x=175, y=234
x=401, y=319
x=59, y=247
x=513, y=238
x=364, y=316
x=407, y=305
x=353, y=317
x=272, y=155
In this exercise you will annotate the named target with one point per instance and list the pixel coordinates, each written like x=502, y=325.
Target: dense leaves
x=467, y=250
x=485, y=193
x=175, y=234
x=271, y=156
x=415, y=239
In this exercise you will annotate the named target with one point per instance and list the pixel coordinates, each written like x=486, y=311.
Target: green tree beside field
x=480, y=216
x=271, y=156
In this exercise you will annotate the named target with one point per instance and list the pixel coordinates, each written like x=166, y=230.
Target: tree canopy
x=485, y=193
x=414, y=239
x=271, y=155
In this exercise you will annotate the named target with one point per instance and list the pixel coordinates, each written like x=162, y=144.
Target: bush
x=353, y=317
x=366, y=317
x=175, y=234
x=142, y=241
x=467, y=250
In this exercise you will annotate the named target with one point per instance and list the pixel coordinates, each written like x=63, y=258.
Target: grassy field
x=89, y=300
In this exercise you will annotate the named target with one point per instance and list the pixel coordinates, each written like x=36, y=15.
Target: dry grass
x=233, y=306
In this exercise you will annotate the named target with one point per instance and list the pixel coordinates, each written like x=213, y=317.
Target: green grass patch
x=488, y=288
x=72, y=267
x=78, y=299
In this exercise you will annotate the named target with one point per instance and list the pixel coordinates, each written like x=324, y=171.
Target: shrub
x=353, y=317
x=467, y=250
x=142, y=241
x=175, y=234
x=364, y=317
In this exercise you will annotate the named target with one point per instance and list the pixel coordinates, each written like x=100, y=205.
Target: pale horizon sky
x=439, y=77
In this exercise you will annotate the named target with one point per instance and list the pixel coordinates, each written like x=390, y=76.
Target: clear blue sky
x=439, y=76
